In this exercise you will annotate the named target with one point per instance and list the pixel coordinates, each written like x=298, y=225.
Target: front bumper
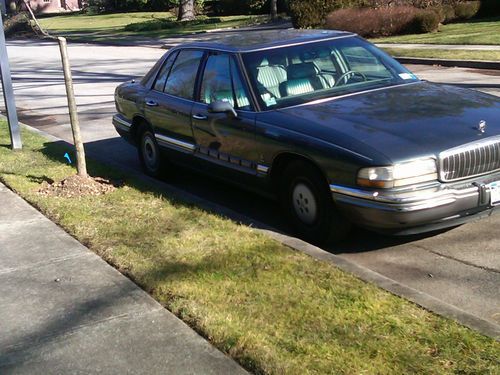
x=416, y=210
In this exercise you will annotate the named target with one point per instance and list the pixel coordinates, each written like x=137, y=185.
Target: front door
x=229, y=139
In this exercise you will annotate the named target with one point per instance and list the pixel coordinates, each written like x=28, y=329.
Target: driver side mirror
x=222, y=106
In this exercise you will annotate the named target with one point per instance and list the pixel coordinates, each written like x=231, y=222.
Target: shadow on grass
x=214, y=196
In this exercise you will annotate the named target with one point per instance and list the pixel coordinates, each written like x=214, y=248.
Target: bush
x=425, y=21
x=386, y=21
x=464, y=11
x=311, y=13
x=17, y=24
x=162, y=24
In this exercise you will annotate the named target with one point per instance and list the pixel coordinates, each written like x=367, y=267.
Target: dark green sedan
x=333, y=127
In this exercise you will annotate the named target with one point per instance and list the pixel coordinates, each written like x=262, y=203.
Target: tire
x=308, y=203
x=150, y=153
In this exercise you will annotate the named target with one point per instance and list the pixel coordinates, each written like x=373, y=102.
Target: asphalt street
x=460, y=266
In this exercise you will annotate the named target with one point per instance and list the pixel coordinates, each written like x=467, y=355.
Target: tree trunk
x=274, y=9
x=186, y=10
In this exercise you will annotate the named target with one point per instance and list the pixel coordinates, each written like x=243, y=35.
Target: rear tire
x=308, y=203
x=150, y=153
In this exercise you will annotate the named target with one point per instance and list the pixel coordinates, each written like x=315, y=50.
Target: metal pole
x=8, y=93
x=81, y=165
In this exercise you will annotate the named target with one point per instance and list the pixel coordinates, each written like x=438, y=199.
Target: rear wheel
x=149, y=153
x=305, y=196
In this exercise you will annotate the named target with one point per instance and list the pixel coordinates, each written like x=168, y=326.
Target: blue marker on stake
x=67, y=157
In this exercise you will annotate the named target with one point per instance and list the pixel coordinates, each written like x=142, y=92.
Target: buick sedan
x=327, y=123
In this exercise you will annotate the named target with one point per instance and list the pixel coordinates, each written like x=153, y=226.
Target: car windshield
x=293, y=75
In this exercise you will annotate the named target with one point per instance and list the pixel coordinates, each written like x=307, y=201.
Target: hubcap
x=150, y=153
x=304, y=203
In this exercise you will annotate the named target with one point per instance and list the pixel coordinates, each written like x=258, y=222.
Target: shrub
x=386, y=21
x=162, y=24
x=425, y=21
x=464, y=11
x=448, y=13
x=18, y=23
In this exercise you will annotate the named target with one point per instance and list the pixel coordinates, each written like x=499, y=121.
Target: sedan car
x=326, y=122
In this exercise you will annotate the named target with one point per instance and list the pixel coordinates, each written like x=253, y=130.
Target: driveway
x=459, y=266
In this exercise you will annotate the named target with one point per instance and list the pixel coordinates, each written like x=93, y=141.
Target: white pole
x=8, y=93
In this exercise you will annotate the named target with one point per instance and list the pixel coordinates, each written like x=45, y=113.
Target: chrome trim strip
x=122, y=121
x=262, y=169
x=175, y=142
x=408, y=201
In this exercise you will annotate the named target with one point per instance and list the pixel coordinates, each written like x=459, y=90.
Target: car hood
x=400, y=122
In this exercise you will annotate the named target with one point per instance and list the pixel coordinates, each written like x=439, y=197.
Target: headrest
x=264, y=62
x=304, y=70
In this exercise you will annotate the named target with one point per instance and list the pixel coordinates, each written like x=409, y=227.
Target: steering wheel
x=343, y=76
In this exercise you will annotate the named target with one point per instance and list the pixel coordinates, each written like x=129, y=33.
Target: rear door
x=168, y=105
x=220, y=136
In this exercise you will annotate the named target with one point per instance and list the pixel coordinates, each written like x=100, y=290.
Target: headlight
x=401, y=174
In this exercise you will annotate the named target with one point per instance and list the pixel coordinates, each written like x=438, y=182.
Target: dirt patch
x=76, y=186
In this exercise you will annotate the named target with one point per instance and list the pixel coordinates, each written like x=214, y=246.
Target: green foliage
x=425, y=21
x=465, y=11
x=18, y=23
x=163, y=24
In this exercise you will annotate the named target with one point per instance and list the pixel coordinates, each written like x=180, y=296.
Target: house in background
x=54, y=6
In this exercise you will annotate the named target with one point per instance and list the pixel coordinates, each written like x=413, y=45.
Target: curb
x=420, y=298
x=492, y=65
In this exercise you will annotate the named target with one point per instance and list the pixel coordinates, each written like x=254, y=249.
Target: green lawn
x=483, y=31
x=444, y=54
x=273, y=309
x=147, y=24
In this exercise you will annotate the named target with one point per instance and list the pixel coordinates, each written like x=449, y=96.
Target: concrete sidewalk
x=64, y=310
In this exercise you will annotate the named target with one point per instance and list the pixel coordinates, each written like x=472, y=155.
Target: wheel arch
x=138, y=121
x=284, y=159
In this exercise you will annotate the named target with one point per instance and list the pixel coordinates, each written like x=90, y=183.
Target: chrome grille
x=470, y=160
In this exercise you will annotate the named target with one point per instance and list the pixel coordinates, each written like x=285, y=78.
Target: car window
x=161, y=79
x=182, y=77
x=221, y=81
x=292, y=75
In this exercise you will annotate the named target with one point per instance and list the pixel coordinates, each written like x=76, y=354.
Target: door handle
x=151, y=103
x=200, y=117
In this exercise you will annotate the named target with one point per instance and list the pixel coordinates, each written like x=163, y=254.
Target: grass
x=275, y=310
x=140, y=24
x=482, y=31
x=444, y=54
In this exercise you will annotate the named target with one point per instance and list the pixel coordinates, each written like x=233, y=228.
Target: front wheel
x=308, y=204
x=150, y=154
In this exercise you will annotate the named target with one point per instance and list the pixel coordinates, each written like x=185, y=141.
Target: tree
x=186, y=10
x=274, y=9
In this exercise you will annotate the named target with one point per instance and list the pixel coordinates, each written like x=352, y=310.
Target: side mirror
x=222, y=106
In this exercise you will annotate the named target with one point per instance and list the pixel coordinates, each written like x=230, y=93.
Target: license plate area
x=494, y=193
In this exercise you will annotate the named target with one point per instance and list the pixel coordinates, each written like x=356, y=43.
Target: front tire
x=150, y=154
x=308, y=203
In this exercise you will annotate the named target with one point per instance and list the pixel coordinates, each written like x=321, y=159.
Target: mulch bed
x=77, y=186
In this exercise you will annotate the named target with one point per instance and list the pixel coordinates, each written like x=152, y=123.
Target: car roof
x=266, y=39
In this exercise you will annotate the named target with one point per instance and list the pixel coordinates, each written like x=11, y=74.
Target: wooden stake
x=81, y=165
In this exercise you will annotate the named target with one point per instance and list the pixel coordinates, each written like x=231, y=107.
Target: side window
x=221, y=81
x=361, y=60
x=182, y=77
x=161, y=79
